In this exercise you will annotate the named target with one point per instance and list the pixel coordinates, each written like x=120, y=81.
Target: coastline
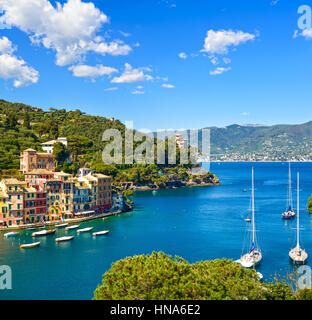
x=69, y=221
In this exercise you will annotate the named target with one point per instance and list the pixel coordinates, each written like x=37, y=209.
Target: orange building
x=31, y=160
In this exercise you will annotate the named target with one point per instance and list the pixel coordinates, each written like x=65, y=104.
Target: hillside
x=262, y=143
x=22, y=126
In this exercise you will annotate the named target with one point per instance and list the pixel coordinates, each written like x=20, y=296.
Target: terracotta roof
x=29, y=149
x=40, y=171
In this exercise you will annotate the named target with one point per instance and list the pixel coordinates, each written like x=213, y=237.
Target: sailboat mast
x=298, y=209
x=289, y=188
x=253, y=206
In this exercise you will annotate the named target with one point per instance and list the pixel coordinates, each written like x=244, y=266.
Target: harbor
x=194, y=223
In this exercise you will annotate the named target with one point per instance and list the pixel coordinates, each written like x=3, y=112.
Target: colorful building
x=31, y=160
x=35, y=206
x=3, y=209
x=14, y=189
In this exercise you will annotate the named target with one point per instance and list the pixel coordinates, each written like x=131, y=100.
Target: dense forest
x=161, y=277
x=23, y=126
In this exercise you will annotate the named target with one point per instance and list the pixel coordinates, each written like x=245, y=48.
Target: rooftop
x=13, y=181
x=40, y=171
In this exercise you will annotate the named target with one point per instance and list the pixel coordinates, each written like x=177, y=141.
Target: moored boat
x=43, y=233
x=61, y=225
x=297, y=254
x=10, y=234
x=254, y=255
x=85, y=230
x=100, y=233
x=62, y=239
x=289, y=213
x=75, y=226
x=30, y=245
x=248, y=220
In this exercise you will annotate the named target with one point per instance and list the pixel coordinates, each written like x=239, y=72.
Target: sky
x=160, y=63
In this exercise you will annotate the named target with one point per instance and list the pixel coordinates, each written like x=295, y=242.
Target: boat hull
x=31, y=245
x=63, y=239
x=298, y=257
x=101, y=233
x=42, y=234
x=84, y=230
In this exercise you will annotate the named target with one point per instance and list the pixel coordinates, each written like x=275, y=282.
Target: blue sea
x=196, y=223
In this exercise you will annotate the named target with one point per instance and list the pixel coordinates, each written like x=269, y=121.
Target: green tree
x=10, y=120
x=60, y=152
x=78, y=145
x=161, y=277
x=26, y=123
x=310, y=204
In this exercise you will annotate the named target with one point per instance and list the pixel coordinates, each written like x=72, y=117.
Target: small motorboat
x=30, y=245
x=62, y=239
x=10, y=234
x=43, y=233
x=248, y=220
x=61, y=225
x=244, y=190
x=100, y=233
x=75, y=226
x=85, y=230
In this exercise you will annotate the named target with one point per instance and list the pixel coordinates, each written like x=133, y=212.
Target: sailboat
x=289, y=213
x=254, y=256
x=297, y=254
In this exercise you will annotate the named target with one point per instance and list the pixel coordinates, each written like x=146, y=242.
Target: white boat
x=85, y=230
x=297, y=254
x=100, y=233
x=62, y=239
x=290, y=212
x=10, y=234
x=75, y=226
x=254, y=255
x=248, y=220
x=30, y=245
x=61, y=225
x=260, y=276
x=43, y=233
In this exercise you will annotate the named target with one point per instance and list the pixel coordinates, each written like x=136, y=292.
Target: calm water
x=195, y=223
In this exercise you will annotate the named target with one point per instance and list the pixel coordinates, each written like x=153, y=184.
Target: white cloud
x=70, y=28
x=12, y=67
x=218, y=42
x=92, y=72
x=226, y=60
x=182, y=55
x=139, y=87
x=306, y=33
x=132, y=75
x=6, y=46
x=245, y=114
x=219, y=70
x=137, y=92
x=111, y=89
x=168, y=86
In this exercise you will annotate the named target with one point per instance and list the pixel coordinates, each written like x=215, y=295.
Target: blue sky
x=252, y=69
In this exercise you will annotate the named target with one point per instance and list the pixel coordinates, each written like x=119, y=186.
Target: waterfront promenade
x=69, y=221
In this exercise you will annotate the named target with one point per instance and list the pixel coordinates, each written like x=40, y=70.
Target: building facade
x=31, y=160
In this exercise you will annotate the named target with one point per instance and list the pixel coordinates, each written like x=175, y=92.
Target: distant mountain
x=262, y=143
